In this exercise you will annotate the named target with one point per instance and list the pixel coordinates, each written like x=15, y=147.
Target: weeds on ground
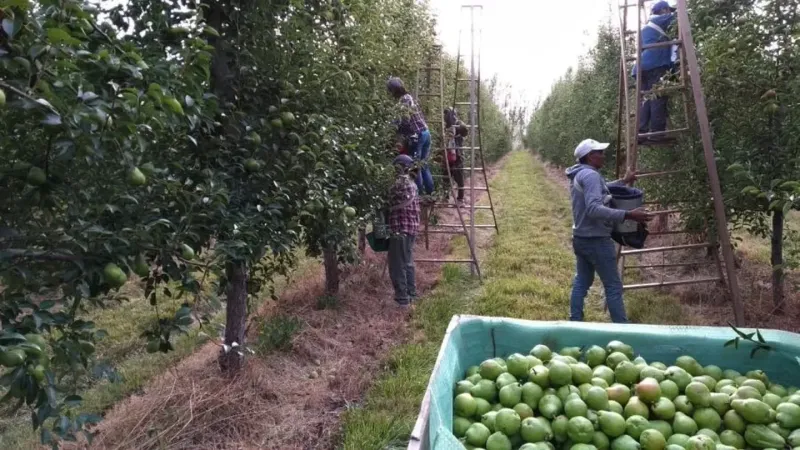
x=276, y=333
x=327, y=302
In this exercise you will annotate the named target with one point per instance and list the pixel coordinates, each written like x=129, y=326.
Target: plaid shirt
x=404, y=207
x=412, y=121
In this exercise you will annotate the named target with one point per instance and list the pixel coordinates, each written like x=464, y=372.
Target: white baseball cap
x=587, y=146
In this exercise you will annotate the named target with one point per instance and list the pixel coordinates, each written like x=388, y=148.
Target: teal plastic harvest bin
x=472, y=339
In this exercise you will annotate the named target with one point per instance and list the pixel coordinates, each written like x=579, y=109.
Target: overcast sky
x=528, y=43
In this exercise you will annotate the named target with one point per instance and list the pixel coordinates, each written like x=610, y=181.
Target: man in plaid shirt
x=403, y=226
x=414, y=129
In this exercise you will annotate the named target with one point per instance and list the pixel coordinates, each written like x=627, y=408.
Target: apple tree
x=299, y=134
x=751, y=63
x=344, y=94
x=99, y=184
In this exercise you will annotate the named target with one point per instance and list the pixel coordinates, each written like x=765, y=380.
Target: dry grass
x=284, y=400
x=197, y=410
x=754, y=277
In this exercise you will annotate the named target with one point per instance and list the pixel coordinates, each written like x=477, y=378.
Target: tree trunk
x=236, y=318
x=362, y=241
x=221, y=73
x=230, y=361
x=777, y=260
x=331, y=270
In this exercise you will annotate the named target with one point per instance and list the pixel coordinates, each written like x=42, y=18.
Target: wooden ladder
x=691, y=90
x=430, y=93
x=475, y=165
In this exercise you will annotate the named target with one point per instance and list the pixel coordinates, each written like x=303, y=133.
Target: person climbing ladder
x=656, y=63
x=414, y=130
x=456, y=132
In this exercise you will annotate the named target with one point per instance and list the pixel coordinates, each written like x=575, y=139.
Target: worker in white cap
x=593, y=221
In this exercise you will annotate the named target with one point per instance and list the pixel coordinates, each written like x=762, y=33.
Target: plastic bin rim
x=625, y=192
x=605, y=326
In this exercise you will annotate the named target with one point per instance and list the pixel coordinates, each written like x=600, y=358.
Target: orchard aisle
x=528, y=272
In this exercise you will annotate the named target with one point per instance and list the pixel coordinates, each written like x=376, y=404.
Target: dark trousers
x=456, y=167
x=458, y=176
x=401, y=267
x=653, y=113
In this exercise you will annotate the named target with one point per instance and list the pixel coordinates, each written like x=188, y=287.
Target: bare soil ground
x=709, y=303
x=284, y=400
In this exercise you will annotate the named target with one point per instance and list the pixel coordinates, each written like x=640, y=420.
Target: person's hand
x=638, y=215
x=630, y=177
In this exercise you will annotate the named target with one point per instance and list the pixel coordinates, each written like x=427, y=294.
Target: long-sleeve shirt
x=412, y=121
x=404, y=207
x=590, y=199
x=656, y=31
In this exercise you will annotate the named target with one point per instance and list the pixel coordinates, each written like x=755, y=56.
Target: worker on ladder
x=656, y=63
x=414, y=130
x=456, y=131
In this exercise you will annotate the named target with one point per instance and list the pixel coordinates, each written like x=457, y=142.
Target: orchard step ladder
x=430, y=94
x=476, y=170
x=630, y=100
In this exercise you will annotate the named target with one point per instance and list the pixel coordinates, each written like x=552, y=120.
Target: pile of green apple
x=605, y=398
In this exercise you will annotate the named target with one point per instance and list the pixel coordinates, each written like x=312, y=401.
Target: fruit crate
x=469, y=340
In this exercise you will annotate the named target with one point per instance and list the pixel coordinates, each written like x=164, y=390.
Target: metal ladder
x=689, y=84
x=475, y=151
x=430, y=94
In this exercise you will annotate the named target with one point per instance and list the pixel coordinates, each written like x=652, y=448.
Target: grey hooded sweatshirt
x=590, y=197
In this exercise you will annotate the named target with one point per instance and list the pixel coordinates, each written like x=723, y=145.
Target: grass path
x=757, y=248
x=528, y=272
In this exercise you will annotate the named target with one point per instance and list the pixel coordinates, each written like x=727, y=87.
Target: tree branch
x=47, y=106
x=17, y=253
x=106, y=36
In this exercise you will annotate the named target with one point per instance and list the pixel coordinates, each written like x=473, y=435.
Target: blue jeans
x=420, y=150
x=596, y=255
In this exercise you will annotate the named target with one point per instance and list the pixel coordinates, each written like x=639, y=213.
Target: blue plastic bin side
x=472, y=339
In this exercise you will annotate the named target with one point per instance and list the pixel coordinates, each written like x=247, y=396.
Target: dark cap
x=658, y=6
x=403, y=160
x=394, y=84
